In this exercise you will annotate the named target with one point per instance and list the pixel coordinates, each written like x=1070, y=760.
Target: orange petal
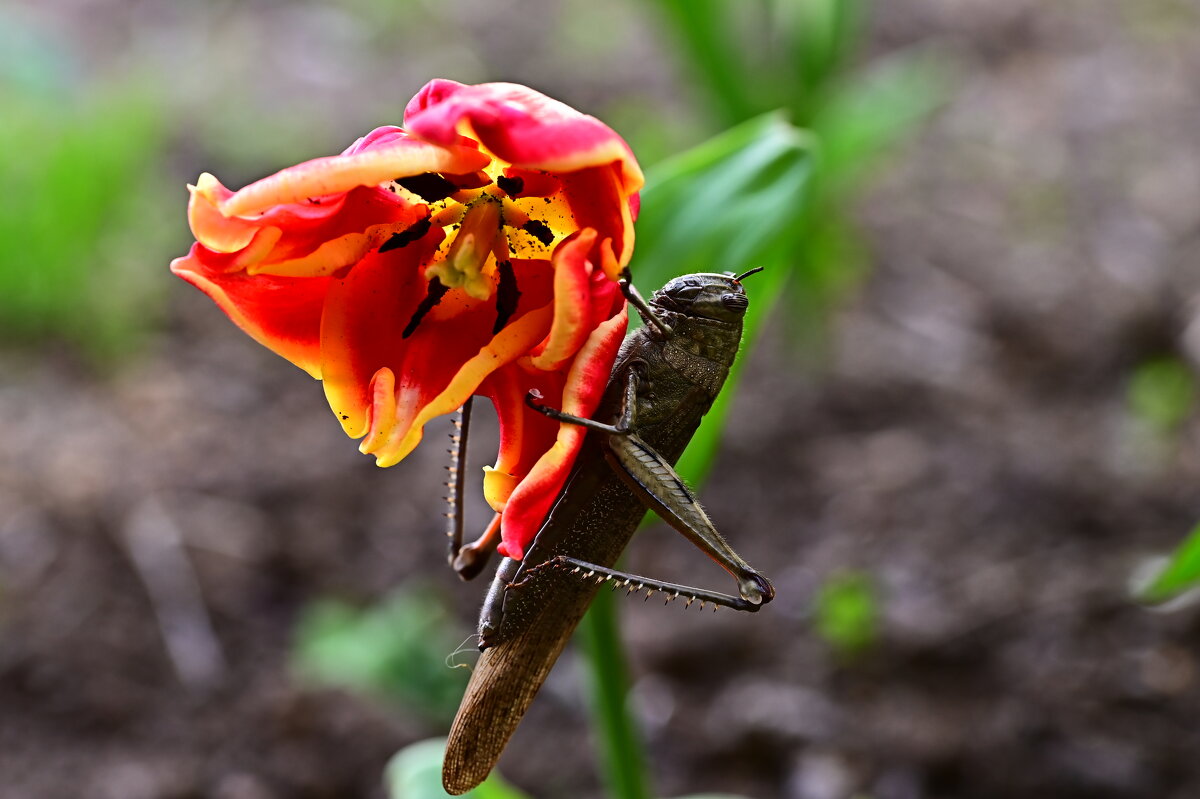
x=331, y=256
x=211, y=227
x=524, y=433
x=377, y=316
x=362, y=327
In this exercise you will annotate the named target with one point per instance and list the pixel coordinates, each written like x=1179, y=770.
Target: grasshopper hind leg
x=633, y=582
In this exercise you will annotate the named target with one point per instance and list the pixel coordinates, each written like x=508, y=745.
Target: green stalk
x=624, y=764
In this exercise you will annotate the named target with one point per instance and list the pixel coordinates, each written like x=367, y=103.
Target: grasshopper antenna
x=748, y=273
x=458, y=650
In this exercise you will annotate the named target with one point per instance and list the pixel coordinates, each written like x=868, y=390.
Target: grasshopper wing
x=505, y=680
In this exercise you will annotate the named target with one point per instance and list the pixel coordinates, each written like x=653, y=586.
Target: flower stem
x=624, y=763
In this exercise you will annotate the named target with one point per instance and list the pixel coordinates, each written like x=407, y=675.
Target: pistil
x=479, y=236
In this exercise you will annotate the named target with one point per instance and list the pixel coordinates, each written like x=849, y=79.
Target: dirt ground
x=964, y=439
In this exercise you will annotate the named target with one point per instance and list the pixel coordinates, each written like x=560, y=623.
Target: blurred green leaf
x=396, y=650
x=847, y=612
x=85, y=201
x=726, y=205
x=415, y=772
x=1180, y=573
x=722, y=203
x=1162, y=393
x=760, y=193
x=623, y=758
x=872, y=110
x=702, y=28
x=822, y=36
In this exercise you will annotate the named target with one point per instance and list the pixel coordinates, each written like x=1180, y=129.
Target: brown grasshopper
x=665, y=378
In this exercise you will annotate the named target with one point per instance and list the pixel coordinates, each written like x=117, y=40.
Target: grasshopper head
x=711, y=296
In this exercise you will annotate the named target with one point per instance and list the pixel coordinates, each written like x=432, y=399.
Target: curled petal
x=209, y=225
x=400, y=157
x=572, y=279
x=331, y=256
x=412, y=414
x=585, y=382
x=312, y=239
x=437, y=346
x=283, y=314
x=521, y=126
x=524, y=433
x=597, y=202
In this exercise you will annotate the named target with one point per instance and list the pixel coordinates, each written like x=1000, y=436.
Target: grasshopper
x=665, y=378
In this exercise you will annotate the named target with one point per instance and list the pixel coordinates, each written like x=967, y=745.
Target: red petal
x=585, y=383
x=314, y=238
x=521, y=126
x=525, y=435
x=437, y=366
x=534, y=182
x=596, y=201
x=281, y=313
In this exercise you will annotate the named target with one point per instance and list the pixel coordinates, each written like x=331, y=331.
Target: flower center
x=480, y=235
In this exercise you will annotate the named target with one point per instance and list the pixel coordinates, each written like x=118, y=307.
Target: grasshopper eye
x=735, y=302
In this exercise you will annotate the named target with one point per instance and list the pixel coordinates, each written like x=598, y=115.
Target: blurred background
x=964, y=427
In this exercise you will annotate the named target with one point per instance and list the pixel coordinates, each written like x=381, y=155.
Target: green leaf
x=868, y=112
x=1162, y=393
x=1180, y=573
x=702, y=29
x=847, y=612
x=726, y=205
x=86, y=201
x=821, y=37
x=415, y=772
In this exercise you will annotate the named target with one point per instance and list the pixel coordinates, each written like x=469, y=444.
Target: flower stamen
x=507, y=295
x=429, y=186
x=432, y=297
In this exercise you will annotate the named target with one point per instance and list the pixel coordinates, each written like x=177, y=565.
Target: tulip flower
x=474, y=251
